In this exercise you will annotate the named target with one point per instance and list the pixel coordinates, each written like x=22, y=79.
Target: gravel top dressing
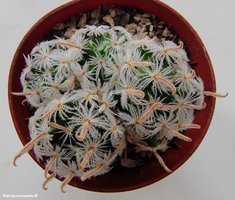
x=134, y=20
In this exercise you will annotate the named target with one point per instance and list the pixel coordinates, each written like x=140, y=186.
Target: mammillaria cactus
x=103, y=90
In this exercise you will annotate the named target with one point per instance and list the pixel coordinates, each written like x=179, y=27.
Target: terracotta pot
x=124, y=179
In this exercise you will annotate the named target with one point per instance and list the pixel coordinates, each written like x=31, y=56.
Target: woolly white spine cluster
x=101, y=90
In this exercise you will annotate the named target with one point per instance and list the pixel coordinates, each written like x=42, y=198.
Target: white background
x=207, y=175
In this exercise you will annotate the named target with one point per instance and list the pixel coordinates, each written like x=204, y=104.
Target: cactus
x=101, y=91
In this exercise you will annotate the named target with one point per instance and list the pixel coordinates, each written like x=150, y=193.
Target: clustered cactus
x=102, y=90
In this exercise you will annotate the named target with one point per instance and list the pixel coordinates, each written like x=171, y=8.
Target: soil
x=134, y=20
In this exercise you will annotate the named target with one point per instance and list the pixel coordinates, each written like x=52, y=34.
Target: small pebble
x=58, y=27
x=96, y=21
x=144, y=20
x=131, y=27
x=142, y=25
x=82, y=21
x=69, y=33
x=165, y=33
x=109, y=20
x=145, y=15
x=137, y=18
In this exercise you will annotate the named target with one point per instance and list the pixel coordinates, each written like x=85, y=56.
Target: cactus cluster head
x=101, y=91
